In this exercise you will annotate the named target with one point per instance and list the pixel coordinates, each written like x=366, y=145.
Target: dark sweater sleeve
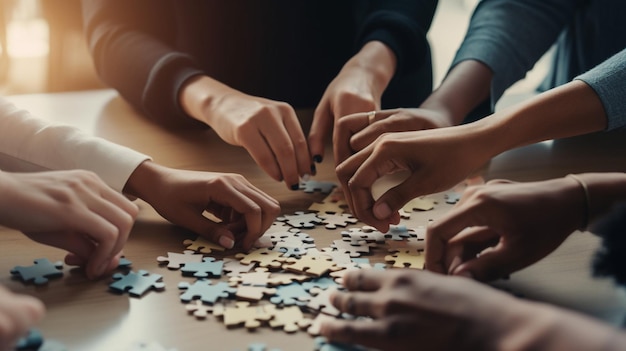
x=130, y=45
x=509, y=36
x=402, y=25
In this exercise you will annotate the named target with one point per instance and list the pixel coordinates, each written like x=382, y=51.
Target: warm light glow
x=27, y=38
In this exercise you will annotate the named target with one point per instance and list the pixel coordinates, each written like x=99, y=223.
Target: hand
x=355, y=132
x=437, y=159
x=72, y=210
x=411, y=307
x=501, y=227
x=183, y=196
x=269, y=130
x=357, y=88
x=18, y=314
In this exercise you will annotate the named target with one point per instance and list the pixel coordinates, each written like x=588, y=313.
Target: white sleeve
x=31, y=144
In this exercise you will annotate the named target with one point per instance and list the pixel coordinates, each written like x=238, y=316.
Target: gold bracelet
x=586, y=202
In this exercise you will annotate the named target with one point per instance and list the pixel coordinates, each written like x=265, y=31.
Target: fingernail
x=306, y=177
x=295, y=187
x=317, y=158
x=313, y=169
x=226, y=242
x=382, y=211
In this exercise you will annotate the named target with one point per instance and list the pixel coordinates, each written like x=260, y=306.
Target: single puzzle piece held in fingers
x=205, y=269
x=39, y=272
x=301, y=220
x=176, y=260
x=136, y=284
x=205, y=291
x=312, y=186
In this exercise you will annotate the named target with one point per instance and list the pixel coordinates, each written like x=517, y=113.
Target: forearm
x=377, y=59
x=603, y=191
x=199, y=93
x=465, y=87
x=570, y=110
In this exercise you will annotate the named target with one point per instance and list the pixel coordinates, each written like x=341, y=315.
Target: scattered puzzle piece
x=406, y=259
x=253, y=293
x=399, y=232
x=244, y=314
x=235, y=267
x=314, y=185
x=311, y=265
x=207, y=268
x=292, y=294
x=176, y=260
x=301, y=220
x=354, y=248
x=290, y=319
x=264, y=257
x=321, y=301
x=328, y=207
x=205, y=291
x=136, y=284
x=39, y=272
x=198, y=309
x=333, y=221
x=367, y=233
x=452, y=197
x=200, y=244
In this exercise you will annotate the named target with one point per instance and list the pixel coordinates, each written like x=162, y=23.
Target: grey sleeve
x=509, y=36
x=607, y=80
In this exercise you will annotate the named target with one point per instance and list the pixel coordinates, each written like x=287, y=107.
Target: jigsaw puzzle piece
x=312, y=186
x=40, y=272
x=290, y=319
x=421, y=203
x=176, y=260
x=264, y=257
x=311, y=265
x=301, y=220
x=333, y=221
x=209, y=267
x=198, y=309
x=244, y=314
x=406, y=259
x=205, y=291
x=136, y=284
x=292, y=294
x=203, y=245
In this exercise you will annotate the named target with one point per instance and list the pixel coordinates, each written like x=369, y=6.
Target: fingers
x=18, y=313
x=363, y=280
x=491, y=264
x=303, y=154
x=393, y=333
x=262, y=154
x=320, y=128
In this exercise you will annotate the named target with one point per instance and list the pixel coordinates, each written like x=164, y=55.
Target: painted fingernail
x=317, y=158
x=382, y=211
x=313, y=169
x=226, y=242
x=295, y=187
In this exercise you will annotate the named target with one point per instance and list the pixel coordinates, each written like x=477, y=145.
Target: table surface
x=85, y=315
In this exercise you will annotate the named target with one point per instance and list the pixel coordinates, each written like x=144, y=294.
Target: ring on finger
x=371, y=116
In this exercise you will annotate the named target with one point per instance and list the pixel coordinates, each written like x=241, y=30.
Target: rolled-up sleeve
x=608, y=80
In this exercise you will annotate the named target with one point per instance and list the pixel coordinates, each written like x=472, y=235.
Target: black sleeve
x=130, y=44
x=402, y=25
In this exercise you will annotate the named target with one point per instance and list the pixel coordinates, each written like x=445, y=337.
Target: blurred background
x=42, y=47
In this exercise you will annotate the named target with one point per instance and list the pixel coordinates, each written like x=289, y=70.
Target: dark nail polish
x=313, y=169
x=317, y=158
x=295, y=187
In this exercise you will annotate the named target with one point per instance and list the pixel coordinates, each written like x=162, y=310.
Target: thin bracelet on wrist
x=586, y=200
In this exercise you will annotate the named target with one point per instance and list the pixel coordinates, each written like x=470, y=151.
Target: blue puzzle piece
x=39, y=272
x=205, y=291
x=399, y=233
x=207, y=268
x=32, y=341
x=321, y=344
x=314, y=185
x=291, y=294
x=124, y=263
x=321, y=283
x=136, y=283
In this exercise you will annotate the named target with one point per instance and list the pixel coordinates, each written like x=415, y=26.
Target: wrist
x=144, y=180
x=198, y=94
x=378, y=60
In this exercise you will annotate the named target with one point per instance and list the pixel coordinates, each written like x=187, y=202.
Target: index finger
x=344, y=129
x=439, y=233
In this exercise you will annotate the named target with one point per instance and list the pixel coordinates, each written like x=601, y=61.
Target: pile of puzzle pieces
x=286, y=281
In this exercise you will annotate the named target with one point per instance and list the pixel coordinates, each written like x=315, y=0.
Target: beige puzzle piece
x=177, y=260
x=200, y=244
x=421, y=203
x=311, y=265
x=253, y=293
x=406, y=259
x=264, y=257
x=199, y=309
x=243, y=313
x=290, y=319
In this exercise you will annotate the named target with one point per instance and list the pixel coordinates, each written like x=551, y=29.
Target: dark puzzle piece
x=39, y=272
x=32, y=341
x=136, y=284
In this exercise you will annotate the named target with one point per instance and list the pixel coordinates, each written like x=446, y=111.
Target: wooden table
x=84, y=315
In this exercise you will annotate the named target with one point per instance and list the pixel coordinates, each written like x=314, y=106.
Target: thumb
x=395, y=198
x=488, y=266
